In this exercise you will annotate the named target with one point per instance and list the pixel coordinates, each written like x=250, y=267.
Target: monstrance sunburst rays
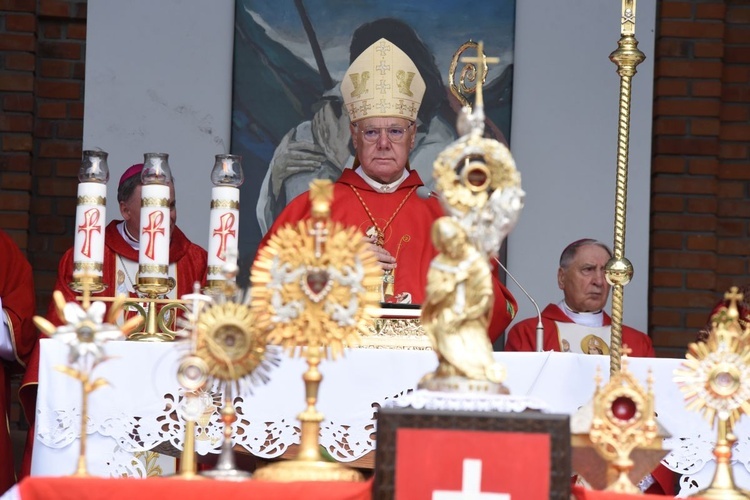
x=227, y=356
x=314, y=286
x=715, y=379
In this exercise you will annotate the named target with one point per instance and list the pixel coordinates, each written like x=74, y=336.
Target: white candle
x=88, y=249
x=223, y=236
x=153, y=254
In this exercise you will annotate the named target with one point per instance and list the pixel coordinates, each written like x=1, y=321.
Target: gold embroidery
x=403, y=80
x=360, y=84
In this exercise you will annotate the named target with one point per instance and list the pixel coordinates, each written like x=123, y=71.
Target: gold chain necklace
x=381, y=231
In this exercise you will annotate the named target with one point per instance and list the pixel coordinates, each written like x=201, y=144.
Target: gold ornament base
x=456, y=383
x=299, y=470
x=151, y=337
x=92, y=284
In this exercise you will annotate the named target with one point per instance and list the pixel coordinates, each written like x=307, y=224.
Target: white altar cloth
x=132, y=414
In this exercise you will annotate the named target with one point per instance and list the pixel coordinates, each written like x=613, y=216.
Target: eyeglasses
x=395, y=134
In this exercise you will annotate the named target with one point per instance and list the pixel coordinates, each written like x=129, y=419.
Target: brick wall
x=701, y=165
x=42, y=49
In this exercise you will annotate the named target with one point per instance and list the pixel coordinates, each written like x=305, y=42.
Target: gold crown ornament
x=382, y=81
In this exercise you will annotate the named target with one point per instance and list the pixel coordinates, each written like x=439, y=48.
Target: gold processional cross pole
x=619, y=269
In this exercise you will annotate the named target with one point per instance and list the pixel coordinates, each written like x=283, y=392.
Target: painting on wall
x=288, y=122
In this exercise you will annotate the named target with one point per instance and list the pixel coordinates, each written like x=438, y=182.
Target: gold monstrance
x=313, y=287
x=85, y=332
x=480, y=190
x=715, y=378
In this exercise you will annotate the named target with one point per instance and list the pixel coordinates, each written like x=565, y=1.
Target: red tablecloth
x=66, y=488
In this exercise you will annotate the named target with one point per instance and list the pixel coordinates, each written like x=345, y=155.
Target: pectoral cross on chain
x=320, y=232
x=375, y=232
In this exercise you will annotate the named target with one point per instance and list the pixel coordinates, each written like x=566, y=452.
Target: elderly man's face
x=131, y=211
x=582, y=282
x=383, y=145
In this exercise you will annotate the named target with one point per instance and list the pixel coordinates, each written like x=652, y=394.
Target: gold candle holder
x=153, y=288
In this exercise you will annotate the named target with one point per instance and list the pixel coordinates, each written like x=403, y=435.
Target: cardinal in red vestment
x=17, y=338
x=187, y=265
x=382, y=91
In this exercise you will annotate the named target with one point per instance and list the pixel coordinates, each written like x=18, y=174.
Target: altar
x=135, y=413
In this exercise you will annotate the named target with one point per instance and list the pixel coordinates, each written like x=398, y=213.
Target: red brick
x=697, y=320
x=20, y=61
x=671, y=87
x=79, y=71
x=667, y=279
x=734, y=113
x=690, y=68
x=51, y=32
x=705, y=126
x=61, y=50
x=20, y=22
x=18, y=5
x=59, y=90
x=738, y=14
x=705, y=88
x=16, y=142
x=735, y=132
x=686, y=145
x=734, y=247
x=737, y=33
x=671, y=126
x=665, y=203
x=701, y=242
x=15, y=181
x=665, y=317
x=18, y=102
x=57, y=187
x=77, y=31
x=667, y=241
x=682, y=299
x=684, y=185
x=43, y=129
x=710, y=11
x=676, y=10
x=736, y=54
x=736, y=74
x=70, y=130
x=60, y=149
x=675, y=222
x=689, y=29
x=673, y=47
x=702, y=205
x=16, y=82
x=17, y=41
x=75, y=110
x=52, y=110
x=729, y=151
x=703, y=166
x=19, y=220
x=15, y=200
x=687, y=107
x=733, y=266
x=730, y=190
x=708, y=49
x=736, y=93
x=55, y=68
x=668, y=165
x=54, y=8
x=15, y=162
x=15, y=123
x=700, y=280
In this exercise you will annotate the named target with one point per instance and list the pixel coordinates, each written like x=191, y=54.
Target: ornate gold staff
x=619, y=269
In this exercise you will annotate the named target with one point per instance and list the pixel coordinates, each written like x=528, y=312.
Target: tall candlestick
x=227, y=177
x=153, y=254
x=88, y=248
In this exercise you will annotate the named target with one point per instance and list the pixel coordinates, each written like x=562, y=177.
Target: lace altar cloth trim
x=137, y=411
x=431, y=400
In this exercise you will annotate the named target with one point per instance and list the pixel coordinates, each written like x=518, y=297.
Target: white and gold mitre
x=382, y=81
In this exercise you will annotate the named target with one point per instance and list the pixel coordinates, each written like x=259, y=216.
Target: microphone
x=426, y=193
x=539, y=326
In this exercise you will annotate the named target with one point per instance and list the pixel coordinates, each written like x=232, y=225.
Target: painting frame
x=391, y=420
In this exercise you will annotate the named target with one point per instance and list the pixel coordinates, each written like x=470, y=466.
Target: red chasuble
x=406, y=221
x=190, y=260
x=17, y=292
x=522, y=337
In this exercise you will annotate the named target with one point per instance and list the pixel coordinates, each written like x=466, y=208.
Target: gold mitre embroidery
x=382, y=81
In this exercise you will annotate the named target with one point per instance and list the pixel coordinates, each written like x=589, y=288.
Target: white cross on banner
x=471, y=485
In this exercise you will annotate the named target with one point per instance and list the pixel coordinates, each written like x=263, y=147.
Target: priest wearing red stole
x=187, y=264
x=382, y=91
x=579, y=324
x=17, y=338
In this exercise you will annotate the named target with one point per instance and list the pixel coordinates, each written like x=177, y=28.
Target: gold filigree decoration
x=309, y=300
